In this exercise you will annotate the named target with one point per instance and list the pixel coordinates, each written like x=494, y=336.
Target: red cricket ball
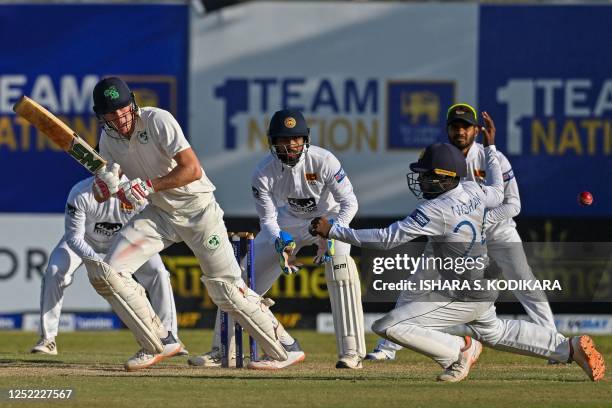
x=585, y=198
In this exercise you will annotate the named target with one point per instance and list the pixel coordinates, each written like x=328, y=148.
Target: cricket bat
x=60, y=133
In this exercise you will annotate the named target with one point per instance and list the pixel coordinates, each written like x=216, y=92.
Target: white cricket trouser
x=509, y=255
x=202, y=229
x=63, y=262
x=266, y=265
x=424, y=325
x=507, y=252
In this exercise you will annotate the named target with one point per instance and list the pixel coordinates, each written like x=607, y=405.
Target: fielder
x=503, y=241
x=453, y=219
x=294, y=183
x=89, y=229
x=150, y=148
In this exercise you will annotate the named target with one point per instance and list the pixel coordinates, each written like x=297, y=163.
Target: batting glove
x=135, y=192
x=325, y=251
x=106, y=183
x=285, y=245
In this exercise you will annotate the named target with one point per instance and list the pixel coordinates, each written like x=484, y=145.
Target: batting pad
x=128, y=299
x=250, y=310
x=345, y=297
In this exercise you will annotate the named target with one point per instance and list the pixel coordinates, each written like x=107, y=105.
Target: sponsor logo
x=143, y=138
x=81, y=153
x=10, y=322
x=340, y=175
x=416, y=113
x=420, y=218
x=70, y=210
x=556, y=116
x=97, y=322
x=213, y=242
x=509, y=175
x=107, y=228
x=69, y=97
x=302, y=205
x=339, y=266
x=345, y=113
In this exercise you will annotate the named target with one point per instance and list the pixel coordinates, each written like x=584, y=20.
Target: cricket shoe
x=210, y=359
x=295, y=355
x=468, y=356
x=143, y=358
x=183, y=351
x=351, y=361
x=380, y=355
x=45, y=346
x=584, y=353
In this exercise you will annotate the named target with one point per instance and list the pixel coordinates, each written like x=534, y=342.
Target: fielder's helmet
x=287, y=123
x=438, y=170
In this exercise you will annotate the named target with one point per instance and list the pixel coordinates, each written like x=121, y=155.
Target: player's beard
x=462, y=142
x=289, y=155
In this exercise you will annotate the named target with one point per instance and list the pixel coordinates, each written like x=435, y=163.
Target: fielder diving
x=452, y=218
x=503, y=241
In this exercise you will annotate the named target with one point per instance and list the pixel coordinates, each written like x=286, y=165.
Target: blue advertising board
x=545, y=75
x=57, y=61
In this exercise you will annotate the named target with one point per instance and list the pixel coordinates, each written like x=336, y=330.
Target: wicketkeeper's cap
x=462, y=112
x=288, y=123
x=111, y=94
x=443, y=159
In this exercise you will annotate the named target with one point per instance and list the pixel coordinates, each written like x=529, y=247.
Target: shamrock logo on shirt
x=213, y=242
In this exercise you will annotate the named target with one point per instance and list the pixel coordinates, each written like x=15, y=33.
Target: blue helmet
x=438, y=170
x=287, y=123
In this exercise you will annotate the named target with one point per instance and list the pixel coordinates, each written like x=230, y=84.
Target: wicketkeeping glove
x=285, y=245
x=135, y=192
x=106, y=183
x=325, y=251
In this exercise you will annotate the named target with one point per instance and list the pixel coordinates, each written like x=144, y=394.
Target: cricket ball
x=585, y=198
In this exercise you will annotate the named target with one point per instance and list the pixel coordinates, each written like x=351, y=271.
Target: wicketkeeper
x=296, y=182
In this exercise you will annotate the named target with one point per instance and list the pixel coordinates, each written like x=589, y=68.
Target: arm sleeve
x=511, y=205
x=169, y=133
x=493, y=188
x=74, y=224
x=341, y=189
x=423, y=221
x=264, y=204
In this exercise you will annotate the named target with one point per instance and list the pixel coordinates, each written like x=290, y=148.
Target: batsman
x=151, y=150
x=293, y=184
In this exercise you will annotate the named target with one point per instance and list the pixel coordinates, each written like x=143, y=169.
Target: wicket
x=236, y=342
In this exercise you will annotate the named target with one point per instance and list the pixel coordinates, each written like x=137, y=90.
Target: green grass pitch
x=91, y=364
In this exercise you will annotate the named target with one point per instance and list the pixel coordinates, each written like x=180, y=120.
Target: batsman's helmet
x=438, y=170
x=111, y=94
x=287, y=123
